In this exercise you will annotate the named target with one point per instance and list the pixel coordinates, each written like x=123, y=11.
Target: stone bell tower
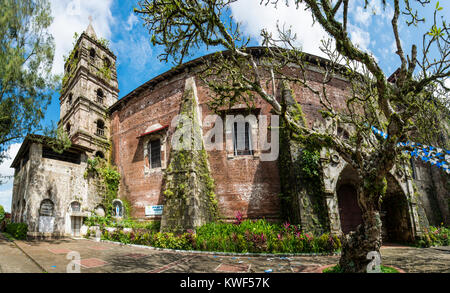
x=89, y=88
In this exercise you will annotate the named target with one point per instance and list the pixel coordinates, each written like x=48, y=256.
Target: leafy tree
x=398, y=106
x=2, y=213
x=26, y=58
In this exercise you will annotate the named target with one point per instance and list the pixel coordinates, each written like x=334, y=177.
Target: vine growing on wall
x=301, y=174
x=104, y=72
x=108, y=182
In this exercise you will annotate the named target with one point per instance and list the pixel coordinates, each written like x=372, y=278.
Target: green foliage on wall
x=105, y=73
x=188, y=180
x=71, y=64
x=302, y=197
x=108, y=182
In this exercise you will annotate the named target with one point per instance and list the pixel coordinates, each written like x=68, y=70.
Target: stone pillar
x=302, y=198
x=189, y=188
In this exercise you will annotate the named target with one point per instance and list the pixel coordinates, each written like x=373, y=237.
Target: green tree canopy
x=26, y=59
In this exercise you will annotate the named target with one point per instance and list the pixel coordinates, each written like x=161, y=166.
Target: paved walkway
x=13, y=260
x=102, y=257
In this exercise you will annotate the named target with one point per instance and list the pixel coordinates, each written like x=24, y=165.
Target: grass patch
x=337, y=269
x=7, y=235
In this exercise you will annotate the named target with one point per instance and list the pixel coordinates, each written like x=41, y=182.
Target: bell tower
x=89, y=88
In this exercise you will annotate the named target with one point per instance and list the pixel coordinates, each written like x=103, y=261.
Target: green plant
x=337, y=269
x=245, y=236
x=17, y=230
x=109, y=180
x=434, y=236
x=2, y=213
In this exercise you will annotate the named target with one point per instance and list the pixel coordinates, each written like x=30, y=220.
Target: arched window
x=100, y=127
x=92, y=53
x=75, y=207
x=100, y=96
x=117, y=208
x=47, y=208
x=99, y=154
x=68, y=128
x=69, y=99
x=107, y=62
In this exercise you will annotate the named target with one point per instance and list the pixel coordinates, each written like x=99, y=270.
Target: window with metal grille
x=46, y=208
x=154, y=151
x=242, y=139
x=100, y=128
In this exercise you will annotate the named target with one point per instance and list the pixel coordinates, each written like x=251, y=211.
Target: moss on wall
x=190, y=200
x=302, y=191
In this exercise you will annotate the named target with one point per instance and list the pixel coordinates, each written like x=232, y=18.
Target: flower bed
x=241, y=237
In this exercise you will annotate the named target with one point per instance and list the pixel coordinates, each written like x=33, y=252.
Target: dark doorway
x=349, y=211
x=395, y=215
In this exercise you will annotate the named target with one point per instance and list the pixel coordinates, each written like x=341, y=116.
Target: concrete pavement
x=13, y=260
x=105, y=257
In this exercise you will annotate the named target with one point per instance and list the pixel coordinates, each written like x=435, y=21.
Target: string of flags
x=435, y=156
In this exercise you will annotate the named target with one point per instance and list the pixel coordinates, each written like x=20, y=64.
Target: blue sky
x=137, y=60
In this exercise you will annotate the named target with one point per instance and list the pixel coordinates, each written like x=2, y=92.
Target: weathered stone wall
x=61, y=182
x=432, y=189
x=83, y=110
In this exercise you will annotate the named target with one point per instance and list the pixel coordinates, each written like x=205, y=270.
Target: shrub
x=435, y=236
x=2, y=213
x=241, y=236
x=17, y=230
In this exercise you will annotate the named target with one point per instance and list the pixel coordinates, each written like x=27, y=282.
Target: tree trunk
x=367, y=237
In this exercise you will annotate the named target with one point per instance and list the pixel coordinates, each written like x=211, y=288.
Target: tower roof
x=90, y=30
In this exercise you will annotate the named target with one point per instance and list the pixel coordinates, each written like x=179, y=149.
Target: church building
x=53, y=196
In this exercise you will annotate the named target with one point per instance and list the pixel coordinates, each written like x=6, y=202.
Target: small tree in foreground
x=398, y=107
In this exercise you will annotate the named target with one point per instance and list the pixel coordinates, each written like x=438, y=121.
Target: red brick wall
x=247, y=185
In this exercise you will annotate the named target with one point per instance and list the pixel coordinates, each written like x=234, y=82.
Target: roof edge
x=197, y=61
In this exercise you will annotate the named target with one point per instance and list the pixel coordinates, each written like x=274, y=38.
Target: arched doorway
x=76, y=221
x=46, y=216
x=349, y=211
x=395, y=214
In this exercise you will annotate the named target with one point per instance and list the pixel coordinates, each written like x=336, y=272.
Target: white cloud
x=255, y=17
x=6, y=199
x=131, y=21
x=135, y=51
x=362, y=16
x=359, y=37
x=72, y=16
x=5, y=170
